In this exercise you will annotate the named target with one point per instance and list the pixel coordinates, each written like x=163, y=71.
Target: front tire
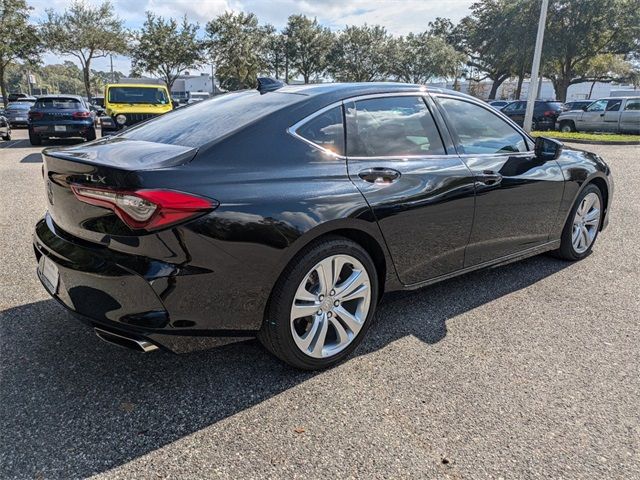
x=322, y=305
x=567, y=127
x=583, y=224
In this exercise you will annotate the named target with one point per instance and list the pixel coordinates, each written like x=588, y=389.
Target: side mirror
x=584, y=109
x=547, y=148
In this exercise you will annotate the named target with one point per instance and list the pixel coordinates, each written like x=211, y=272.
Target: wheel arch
x=604, y=190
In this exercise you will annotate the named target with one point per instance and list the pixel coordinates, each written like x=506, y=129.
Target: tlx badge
x=95, y=178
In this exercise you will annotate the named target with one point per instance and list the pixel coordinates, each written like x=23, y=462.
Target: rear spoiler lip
x=125, y=154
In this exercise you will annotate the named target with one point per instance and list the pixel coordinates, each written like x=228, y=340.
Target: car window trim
x=423, y=93
x=528, y=140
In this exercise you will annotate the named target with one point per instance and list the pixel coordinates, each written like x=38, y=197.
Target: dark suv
x=60, y=116
x=545, y=113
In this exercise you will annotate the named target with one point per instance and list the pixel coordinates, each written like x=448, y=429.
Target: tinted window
x=61, y=103
x=479, y=130
x=633, y=104
x=209, y=120
x=19, y=106
x=325, y=130
x=614, y=105
x=391, y=126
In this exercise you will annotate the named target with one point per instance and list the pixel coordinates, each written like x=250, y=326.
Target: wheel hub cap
x=586, y=223
x=330, y=306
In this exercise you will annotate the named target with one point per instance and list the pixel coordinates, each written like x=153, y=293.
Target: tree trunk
x=496, y=84
x=306, y=77
x=593, y=84
x=3, y=86
x=519, y=87
x=87, y=82
x=561, y=86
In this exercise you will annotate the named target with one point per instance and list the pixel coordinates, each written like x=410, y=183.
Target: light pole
x=535, y=68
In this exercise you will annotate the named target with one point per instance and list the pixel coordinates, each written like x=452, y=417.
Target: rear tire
x=340, y=307
x=567, y=126
x=91, y=135
x=583, y=225
x=7, y=137
x=34, y=139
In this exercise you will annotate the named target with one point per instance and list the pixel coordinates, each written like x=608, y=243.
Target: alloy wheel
x=330, y=306
x=586, y=223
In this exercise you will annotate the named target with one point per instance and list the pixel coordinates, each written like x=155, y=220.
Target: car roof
x=60, y=95
x=627, y=97
x=141, y=85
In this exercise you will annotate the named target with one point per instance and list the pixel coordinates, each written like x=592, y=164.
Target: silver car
x=613, y=115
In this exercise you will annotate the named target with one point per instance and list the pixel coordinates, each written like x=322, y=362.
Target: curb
x=596, y=142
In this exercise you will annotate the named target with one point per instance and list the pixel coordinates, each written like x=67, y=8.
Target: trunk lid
x=112, y=164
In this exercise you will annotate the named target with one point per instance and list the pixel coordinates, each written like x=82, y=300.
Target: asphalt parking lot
x=526, y=371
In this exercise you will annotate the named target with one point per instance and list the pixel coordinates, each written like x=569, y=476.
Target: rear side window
x=633, y=104
x=614, y=105
x=209, y=120
x=59, y=103
x=325, y=130
x=391, y=126
x=480, y=131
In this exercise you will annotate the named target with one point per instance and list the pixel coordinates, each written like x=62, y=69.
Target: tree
x=494, y=35
x=239, y=47
x=276, y=54
x=85, y=32
x=165, y=49
x=307, y=46
x=362, y=54
x=579, y=30
x=421, y=57
x=19, y=42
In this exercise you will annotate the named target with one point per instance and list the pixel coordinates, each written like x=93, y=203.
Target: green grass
x=597, y=137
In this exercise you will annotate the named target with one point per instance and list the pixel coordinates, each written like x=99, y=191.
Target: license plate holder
x=59, y=128
x=49, y=274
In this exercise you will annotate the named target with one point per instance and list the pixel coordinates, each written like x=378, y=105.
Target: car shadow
x=73, y=406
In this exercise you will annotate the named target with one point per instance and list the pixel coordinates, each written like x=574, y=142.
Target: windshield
x=59, y=103
x=153, y=95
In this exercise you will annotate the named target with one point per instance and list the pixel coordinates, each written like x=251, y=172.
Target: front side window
x=598, y=106
x=479, y=130
x=391, y=126
x=325, y=130
x=633, y=104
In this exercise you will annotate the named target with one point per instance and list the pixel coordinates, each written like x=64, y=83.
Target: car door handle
x=379, y=175
x=489, y=177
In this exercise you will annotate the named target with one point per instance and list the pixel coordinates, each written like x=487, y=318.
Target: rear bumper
x=101, y=288
x=71, y=130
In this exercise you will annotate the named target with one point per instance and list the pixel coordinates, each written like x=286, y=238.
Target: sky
x=398, y=16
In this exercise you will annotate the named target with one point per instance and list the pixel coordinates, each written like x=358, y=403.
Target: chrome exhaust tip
x=143, y=346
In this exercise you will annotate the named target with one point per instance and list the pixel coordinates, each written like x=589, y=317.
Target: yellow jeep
x=126, y=104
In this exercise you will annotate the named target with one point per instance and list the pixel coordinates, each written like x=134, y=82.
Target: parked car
x=616, y=115
x=18, y=113
x=5, y=127
x=576, y=105
x=60, y=116
x=545, y=113
x=195, y=97
x=499, y=104
x=129, y=104
x=238, y=216
x=12, y=97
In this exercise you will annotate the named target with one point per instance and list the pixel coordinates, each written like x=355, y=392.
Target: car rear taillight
x=550, y=113
x=81, y=115
x=36, y=115
x=146, y=209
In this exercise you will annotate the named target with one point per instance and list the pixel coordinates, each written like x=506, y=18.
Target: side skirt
x=498, y=262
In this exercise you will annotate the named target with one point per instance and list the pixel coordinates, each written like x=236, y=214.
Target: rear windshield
x=138, y=95
x=205, y=121
x=19, y=106
x=59, y=103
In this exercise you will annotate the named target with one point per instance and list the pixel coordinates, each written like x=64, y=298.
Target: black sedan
x=286, y=214
x=60, y=116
